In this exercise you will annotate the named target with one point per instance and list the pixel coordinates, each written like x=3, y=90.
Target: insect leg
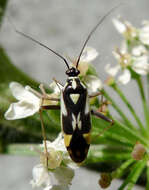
x=59, y=84
x=95, y=94
x=44, y=136
x=103, y=103
x=46, y=96
x=100, y=115
x=43, y=107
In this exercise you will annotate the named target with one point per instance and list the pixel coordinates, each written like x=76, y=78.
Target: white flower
x=125, y=77
x=56, y=154
x=57, y=144
x=88, y=55
x=93, y=83
x=27, y=105
x=58, y=175
x=119, y=25
x=144, y=33
x=125, y=28
x=139, y=50
x=137, y=60
x=112, y=71
x=40, y=176
x=141, y=65
x=59, y=179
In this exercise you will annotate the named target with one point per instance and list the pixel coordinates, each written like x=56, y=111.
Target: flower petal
x=141, y=65
x=57, y=144
x=55, y=88
x=120, y=26
x=40, y=177
x=112, y=71
x=144, y=33
x=21, y=93
x=93, y=84
x=64, y=175
x=83, y=68
x=54, y=158
x=88, y=55
x=116, y=55
x=20, y=110
x=139, y=50
x=125, y=77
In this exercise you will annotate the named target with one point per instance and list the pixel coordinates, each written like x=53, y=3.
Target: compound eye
x=77, y=72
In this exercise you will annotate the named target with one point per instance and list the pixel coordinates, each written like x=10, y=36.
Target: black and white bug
x=74, y=106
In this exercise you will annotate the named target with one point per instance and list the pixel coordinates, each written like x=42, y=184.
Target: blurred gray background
x=63, y=25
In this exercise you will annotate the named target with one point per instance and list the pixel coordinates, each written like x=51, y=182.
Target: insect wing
x=75, y=119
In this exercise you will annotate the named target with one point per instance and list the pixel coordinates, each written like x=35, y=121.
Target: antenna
x=94, y=29
x=39, y=43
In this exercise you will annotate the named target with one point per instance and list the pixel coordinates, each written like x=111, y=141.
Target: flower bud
x=138, y=151
x=105, y=180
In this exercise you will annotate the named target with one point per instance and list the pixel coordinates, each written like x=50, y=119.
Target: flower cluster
x=132, y=57
x=60, y=171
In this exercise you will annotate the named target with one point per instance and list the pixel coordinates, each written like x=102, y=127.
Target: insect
x=74, y=106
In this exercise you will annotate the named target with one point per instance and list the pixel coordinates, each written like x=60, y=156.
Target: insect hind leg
x=46, y=106
x=44, y=135
x=105, y=118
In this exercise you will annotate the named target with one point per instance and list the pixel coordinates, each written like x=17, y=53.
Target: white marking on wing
x=63, y=107
x=87, y=105
x=74, y=97
x=79, y=121
x=74, y=84
x=74, y=122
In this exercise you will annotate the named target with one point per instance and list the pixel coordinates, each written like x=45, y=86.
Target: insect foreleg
x=59, y=84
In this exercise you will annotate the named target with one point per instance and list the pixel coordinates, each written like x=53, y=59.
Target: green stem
x=144, y=102
x=132, y=133
x=96, y=155
x=131, y=109
x=134, y=175
x=148, y=87
x=119, y=111
x=120, y=171
x=147, y=177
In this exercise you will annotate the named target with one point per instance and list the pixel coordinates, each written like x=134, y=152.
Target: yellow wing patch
x=67, y=139
x=87, y=137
